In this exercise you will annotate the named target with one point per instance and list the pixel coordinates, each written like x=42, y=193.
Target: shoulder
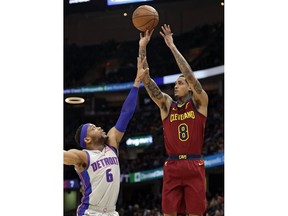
x=115, y=150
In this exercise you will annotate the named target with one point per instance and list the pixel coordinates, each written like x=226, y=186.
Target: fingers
x=148, y=33
x=166, y=30
x=167, y=27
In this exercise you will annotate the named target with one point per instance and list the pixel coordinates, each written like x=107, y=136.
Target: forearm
x=127, y=110
x=142, y=54
x=185, y=69
x=152, y=88
x=181, y=61
x=137, y=82
x=70, y=157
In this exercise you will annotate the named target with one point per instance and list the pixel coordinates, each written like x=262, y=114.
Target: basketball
x=145, y=18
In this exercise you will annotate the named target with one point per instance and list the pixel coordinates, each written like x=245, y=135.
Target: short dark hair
x=78, y=133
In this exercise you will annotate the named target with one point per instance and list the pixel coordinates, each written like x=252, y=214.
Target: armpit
x=164, y=104
x=197, y=103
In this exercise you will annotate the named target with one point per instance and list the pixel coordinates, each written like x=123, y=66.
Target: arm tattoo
x=186, y=70
x=182, y=63
x=153, y=90
x=142, y=53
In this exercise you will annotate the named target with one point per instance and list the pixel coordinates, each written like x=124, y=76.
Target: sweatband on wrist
x=83, y=134
x=127, y=110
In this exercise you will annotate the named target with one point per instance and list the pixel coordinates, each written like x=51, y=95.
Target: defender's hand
x=141, y=72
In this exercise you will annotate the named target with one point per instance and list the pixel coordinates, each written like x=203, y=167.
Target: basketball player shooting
x=184, y=183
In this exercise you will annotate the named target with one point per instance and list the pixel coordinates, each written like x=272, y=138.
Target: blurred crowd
x=203, y=47
x=151, y=206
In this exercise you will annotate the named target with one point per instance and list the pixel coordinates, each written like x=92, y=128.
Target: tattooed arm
x=144, y=40
x=200, y=96
x=162, y=100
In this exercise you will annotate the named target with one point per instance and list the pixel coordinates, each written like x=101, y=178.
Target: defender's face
x=95, y=132
x=181, y=87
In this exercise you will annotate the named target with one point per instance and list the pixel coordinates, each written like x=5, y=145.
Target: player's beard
x=105, y=138
x=101, y=140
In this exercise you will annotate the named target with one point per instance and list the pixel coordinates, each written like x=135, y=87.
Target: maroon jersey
x=184, y=129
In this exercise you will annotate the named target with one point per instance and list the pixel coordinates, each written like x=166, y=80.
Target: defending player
x=97, y=164
x=184, y=184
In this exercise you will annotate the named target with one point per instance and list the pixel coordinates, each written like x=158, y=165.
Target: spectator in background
x=97, y=164
x=184, y=183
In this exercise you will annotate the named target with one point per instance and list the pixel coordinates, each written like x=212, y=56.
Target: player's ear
x=87, y=139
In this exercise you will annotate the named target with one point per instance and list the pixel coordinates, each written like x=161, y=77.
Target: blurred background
x=100, y=51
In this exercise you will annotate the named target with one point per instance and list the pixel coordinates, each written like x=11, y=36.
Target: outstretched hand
x=141, y=72
x=144, y=39
x=167, y=35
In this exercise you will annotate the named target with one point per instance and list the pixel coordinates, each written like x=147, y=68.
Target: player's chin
x=105, y=138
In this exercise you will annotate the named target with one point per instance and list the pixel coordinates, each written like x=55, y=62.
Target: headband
x=83, y=135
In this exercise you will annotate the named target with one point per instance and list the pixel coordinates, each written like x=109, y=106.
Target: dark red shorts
x=184, y=187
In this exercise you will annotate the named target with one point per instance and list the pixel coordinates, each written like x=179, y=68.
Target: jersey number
x=183, y=132
x=109, y=176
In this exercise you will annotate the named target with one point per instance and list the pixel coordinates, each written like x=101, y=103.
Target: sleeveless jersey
x=101, y=180
x=183, y=129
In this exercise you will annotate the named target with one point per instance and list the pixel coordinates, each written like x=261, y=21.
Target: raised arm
x=116, y=133
x=144, y=40
x=198, y=92
x=162, y=100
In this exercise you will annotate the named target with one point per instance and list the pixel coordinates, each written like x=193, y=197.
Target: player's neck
x=183, y=100
x=98, y=144
x=99, y=147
